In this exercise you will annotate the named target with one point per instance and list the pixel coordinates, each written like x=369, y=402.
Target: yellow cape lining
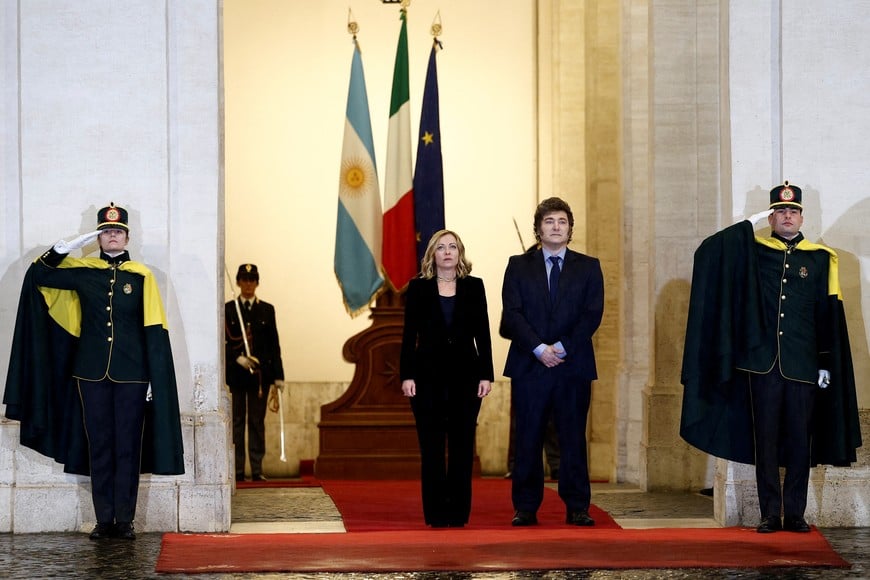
x=804, y=245
x=64, y=306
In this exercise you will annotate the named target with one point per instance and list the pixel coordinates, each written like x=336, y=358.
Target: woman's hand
x=483, y=388
x=64, y=247
x=409, y=387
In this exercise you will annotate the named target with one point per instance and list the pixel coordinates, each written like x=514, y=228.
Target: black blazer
x=430, y=349
x=529, y=319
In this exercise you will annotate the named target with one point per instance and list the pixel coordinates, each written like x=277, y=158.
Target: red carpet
x=367, y=506
x=386, y=534
x=536, y=548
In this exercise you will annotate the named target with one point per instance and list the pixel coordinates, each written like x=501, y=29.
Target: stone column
x=676, y=120
x=578, y=140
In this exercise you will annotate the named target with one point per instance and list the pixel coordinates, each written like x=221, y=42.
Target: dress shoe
x=554, y=474
x=124, y=530
x=101, y=532
x=769, y=525
x=259, y=477
x=524, y=519
x=579, y=518
x=796, y=524
x=240, y=477
x=509, y=475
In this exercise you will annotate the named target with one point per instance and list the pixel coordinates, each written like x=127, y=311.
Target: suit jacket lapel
x=539, y=268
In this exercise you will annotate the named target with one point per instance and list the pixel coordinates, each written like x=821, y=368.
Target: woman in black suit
x=446, y=369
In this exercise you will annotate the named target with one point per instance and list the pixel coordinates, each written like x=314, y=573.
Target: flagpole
x=399, y=232
x=429, y=215
x=357, y=266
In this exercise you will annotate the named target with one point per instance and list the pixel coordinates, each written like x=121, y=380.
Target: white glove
x=757, y=217
x=148, y=395
x=279, y=384
x=824, y=378
x=64, y=247
x=248, y=364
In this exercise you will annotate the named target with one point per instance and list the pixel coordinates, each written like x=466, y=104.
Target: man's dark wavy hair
x=550, y=205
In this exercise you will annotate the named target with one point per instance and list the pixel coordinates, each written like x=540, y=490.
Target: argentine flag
x=358, y=230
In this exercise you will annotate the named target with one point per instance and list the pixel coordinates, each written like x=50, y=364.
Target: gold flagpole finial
x=352, y=26
x=436, y=25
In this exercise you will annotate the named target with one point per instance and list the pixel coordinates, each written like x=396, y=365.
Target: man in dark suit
x=552, y=300
x=254, y=366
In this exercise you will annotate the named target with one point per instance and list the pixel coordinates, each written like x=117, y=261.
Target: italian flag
x=399, y=244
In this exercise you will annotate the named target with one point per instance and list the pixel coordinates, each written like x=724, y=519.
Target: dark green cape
x=42, y=395
x=724, y=325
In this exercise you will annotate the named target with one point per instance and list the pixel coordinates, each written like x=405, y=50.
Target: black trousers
x=446, y=418
x=551, y=443
x=249, y=408
x=537, y=397
x=782, y=414
x=114, y=416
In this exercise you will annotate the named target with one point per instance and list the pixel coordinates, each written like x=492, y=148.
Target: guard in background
x=253, y=367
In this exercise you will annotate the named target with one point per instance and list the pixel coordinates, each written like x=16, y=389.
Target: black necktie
x=247, y=305
x=554, y=277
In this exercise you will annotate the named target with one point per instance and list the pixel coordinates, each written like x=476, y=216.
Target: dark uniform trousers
x=249, y=404
x=114, y=415
x=782, y=414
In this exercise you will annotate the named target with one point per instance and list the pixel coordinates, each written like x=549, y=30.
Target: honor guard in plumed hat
x=248, y=272
x=112, y=216
x=786, y=195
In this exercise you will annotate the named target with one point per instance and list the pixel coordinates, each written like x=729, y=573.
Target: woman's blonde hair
x=427, y=264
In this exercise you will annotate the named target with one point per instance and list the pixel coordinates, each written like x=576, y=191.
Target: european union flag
x=429, y=170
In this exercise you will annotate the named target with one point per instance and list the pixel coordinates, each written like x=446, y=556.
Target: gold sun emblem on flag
x=356, y=177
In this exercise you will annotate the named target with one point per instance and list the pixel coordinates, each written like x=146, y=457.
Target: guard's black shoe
x=524, y=519
x=124, y=530
x=259, y=477
x=769, y=525
x=101, y=532
x=579, y=518
x=796, y=524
